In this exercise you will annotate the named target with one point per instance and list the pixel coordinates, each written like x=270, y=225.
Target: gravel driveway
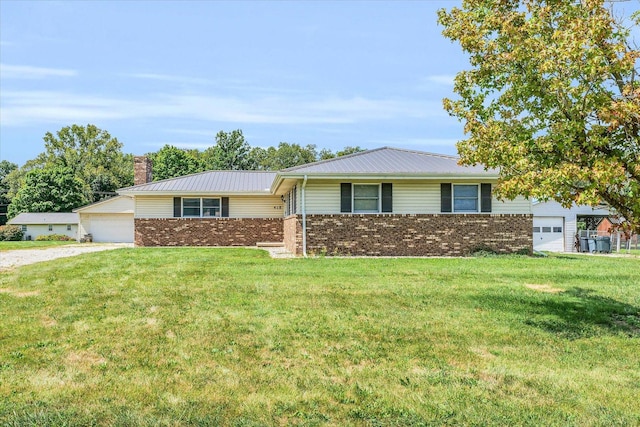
x=17, y=258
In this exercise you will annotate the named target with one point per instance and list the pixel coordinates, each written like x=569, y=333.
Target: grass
x=232, y=337
x=32, y=244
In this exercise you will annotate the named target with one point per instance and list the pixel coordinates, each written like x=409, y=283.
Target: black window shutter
x=225, y=207
x=445, y=197
x=177, y=207
x=345, y=197
x=387, y=197
x=485, y=197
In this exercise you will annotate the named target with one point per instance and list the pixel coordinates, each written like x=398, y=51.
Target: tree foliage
x=93, y=155
x=230, y=152
x=552, y=99
x=287, y=156
x=171, y=162
x=55, y=189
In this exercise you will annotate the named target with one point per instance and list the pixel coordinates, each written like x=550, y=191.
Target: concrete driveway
x=17, y=258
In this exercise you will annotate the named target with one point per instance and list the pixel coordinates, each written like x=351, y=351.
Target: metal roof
x=45, y=218
x=210, y=182
x=388, y=160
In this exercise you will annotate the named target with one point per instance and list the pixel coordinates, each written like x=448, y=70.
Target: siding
x=256, y=207
x=120, y=204
x=323, y=197
x=35, y=230
x=239, y=207
x=154, y=207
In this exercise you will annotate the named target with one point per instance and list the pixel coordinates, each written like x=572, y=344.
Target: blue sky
x=152, y=73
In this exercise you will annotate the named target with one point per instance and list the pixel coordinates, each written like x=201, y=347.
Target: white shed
x=555, y=227
x=109, y=220
x=36, y=224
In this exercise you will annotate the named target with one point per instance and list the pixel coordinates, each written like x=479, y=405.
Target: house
x=43, y=224
x=555, y=227
x=385, y=201
x=108, y=221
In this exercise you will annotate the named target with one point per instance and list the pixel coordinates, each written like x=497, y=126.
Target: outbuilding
x=36, y=224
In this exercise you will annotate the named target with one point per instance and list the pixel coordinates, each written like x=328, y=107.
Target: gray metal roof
x=45, y=218
x=388, y=160
x=210, y=182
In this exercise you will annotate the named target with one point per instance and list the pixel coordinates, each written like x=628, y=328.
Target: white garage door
x=548, y=234
x=113, y=228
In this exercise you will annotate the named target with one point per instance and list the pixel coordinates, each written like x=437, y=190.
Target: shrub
x=11, y=233
x=54, y=238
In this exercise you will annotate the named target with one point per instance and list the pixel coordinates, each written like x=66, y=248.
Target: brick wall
x=207, y=231
x=142, y=170
x=418, y=235
x=293, y=234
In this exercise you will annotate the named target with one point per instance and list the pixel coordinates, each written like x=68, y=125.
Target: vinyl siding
x=116, y=205
x=323, y=197
x=154, y=207
x=35, y=230
x=239, y=207
x=256, y=207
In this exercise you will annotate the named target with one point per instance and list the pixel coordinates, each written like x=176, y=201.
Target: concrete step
x=270, y=244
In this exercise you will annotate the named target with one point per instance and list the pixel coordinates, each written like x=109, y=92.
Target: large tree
x=6, y=167
x=171, y=162
x=93, y=155
x=230, y=152
x=552, y=99
x=288, y=155
x=55, y=189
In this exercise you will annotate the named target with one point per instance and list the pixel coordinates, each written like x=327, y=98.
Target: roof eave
x=194, y=193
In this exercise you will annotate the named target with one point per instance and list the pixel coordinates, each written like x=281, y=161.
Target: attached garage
x=108, y=221
x=548, y=234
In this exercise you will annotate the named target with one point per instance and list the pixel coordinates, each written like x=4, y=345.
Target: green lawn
x=231, y=337
x=31, y=244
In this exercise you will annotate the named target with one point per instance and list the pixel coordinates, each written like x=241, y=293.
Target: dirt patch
x=85, y=359
x=545, y=288
x=17, y=294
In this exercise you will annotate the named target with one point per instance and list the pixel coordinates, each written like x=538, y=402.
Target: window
x=536, y=229
x=366, y=198
x=50, y=227
x=465, y=198
x=546, y=229
x=24, y=228
x=68, y=227
x=200, y=207
x=557, y=229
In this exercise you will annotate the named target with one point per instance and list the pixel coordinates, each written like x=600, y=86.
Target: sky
x=329, y=73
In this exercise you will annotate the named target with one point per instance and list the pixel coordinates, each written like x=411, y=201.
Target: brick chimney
x=142, y=168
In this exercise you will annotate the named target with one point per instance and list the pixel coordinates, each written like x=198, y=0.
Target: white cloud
x=437, y=80
x=168, y=78
x=22, y=107
x=29, y=72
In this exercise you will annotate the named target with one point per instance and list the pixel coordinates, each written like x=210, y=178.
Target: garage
x=111, y=228
x=108, y=221
x=548, y=234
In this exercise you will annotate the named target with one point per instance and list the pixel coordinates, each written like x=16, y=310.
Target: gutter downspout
x=304, y=219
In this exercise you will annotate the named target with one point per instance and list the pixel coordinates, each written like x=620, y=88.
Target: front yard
x=231, y=337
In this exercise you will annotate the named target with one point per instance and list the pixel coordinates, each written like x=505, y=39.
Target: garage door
x=548, y=234
x=113, y=228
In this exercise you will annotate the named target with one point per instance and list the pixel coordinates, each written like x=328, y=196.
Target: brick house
x=386, y=201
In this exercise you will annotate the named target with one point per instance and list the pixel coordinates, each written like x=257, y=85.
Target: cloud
x=437, y=80
x=29, y=72
x=168, y=78
x=27, y=107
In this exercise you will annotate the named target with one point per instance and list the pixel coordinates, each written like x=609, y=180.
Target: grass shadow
x=573, y=314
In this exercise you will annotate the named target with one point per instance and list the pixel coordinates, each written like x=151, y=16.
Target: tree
x=288, y=155
x=552, y=100
x=6, y=168
x=349, y=150
x=54, y=189
x=92, y=155
x=231, y=152
x=171, y=162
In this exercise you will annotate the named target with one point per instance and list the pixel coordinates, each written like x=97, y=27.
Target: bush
x=53, y=238
x=11, y=233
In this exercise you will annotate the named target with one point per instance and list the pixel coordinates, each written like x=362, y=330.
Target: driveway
x=17, y=258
